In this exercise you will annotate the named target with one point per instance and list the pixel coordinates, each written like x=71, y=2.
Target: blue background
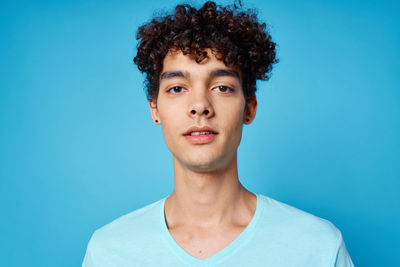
x=78, y=147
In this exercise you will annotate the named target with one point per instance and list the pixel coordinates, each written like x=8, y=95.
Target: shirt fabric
x=278, y=235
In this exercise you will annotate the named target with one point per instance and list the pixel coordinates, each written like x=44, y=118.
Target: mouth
x=197, y=131
x=200, y=135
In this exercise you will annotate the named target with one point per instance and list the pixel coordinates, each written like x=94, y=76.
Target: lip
x=200, y=139
x=200, y=129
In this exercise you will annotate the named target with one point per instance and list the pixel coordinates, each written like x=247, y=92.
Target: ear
x=154, y=111
x=250, y=111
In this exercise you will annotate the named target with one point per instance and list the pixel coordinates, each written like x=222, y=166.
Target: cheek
x=169, y=129
x=171, y=124
x=233, y=120
x=233, y=112
x=169, y=139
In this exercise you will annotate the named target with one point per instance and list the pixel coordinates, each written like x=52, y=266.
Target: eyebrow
x=173, y=74
x=225, y=72
x=215, y=73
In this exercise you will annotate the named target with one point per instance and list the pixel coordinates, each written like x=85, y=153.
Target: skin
x=208, y=208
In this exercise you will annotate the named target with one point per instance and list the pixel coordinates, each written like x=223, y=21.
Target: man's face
x=201, y=108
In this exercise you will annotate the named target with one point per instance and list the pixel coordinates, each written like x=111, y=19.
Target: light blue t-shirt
x=278, y=236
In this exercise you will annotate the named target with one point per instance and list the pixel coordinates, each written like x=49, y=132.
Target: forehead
x=177, y=61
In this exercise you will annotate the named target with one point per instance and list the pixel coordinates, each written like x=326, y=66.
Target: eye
x=175, y=90
x=223, y=89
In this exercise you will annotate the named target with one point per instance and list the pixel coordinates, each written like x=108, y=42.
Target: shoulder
x=296, y=225
x=136, y=225
x=288, y=236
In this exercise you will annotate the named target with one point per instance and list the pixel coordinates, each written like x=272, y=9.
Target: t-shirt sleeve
x=87, y=261
x=342, y=258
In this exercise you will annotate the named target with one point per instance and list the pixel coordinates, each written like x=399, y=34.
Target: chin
x=205, y=160
x=200, y=163
x=203, y=168
x=207, y=165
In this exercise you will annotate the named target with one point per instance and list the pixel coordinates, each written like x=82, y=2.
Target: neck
x=208, y=198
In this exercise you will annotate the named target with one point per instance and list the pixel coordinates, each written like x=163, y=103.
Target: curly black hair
x=236, y=37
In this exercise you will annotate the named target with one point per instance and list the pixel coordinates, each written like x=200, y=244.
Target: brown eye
x=175, y=90
x=223, y=89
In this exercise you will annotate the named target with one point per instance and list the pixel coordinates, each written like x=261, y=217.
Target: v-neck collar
x=242, y=239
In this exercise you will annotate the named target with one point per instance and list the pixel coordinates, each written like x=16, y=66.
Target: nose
x=201, y=106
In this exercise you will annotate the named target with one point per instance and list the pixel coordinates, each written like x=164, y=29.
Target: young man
x=201, y=68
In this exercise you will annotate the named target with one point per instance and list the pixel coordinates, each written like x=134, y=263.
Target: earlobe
x=154, y=112
x=250, y=111
x=247, y=121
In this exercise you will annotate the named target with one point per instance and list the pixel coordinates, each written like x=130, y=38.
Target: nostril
x=206, y=112
x=193, y=111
